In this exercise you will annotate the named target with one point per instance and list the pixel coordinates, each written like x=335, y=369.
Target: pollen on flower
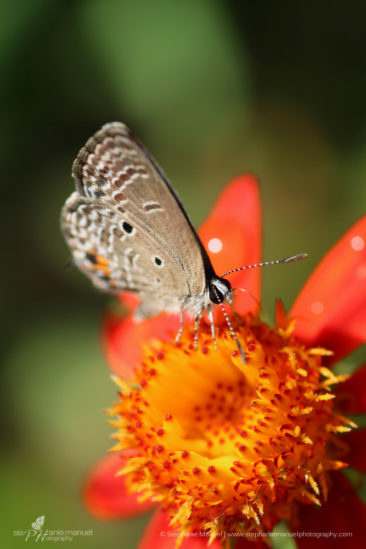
x=227, y=446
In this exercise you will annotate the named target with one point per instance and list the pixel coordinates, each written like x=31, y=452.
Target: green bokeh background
x=214, y=89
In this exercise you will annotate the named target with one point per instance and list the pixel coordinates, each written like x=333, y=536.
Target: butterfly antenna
x=291, y=259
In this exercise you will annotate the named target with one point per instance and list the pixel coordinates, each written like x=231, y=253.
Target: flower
x=229, y=449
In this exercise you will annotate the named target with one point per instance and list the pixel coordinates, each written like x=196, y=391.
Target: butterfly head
x=219, y=290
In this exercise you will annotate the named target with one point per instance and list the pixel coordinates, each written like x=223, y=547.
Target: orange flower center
x=227, y=446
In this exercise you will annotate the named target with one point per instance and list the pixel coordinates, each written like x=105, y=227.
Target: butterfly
x=128, y=231
x=38, y=523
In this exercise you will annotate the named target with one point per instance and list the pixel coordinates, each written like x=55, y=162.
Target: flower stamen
x=227, y=446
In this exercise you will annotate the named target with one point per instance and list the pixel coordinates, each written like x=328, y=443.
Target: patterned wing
x=117, y=256
x=126, y=228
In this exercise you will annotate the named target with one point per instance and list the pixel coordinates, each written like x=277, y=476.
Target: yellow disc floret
x=228, y=446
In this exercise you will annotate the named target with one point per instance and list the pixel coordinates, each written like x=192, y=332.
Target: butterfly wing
x=127, y=229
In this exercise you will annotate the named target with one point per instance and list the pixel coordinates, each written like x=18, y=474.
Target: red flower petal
x=351, y=395
x=234, y=230
x=159, y=535
x=331, y=308
x=356, y=441
x=343, y=512
x=123, y=339
x=280, y=314
x=129, y=300
x=105, y=494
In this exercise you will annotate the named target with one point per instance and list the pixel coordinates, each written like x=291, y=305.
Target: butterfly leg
x=196, y=326
x=179, y=334
x=233, y=334
x=210, y=316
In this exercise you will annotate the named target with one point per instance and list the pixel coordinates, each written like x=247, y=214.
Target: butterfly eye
x=158, y=261
x=218, y=290
x=127, y=227
x=216, y=296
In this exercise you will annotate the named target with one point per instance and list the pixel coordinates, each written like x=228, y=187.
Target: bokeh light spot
x=357, y=243
x=215, y=245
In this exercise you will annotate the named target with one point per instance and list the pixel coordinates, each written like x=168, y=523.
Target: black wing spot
x=158, y=261
x=127, y=227
x=92, y=258
x=100, y=182
x=99, y=193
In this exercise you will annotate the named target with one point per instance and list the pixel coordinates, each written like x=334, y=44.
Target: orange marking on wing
x=102, y=261
x=99, y=263
x=103, y=266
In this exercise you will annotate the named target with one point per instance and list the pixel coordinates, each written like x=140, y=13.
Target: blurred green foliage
x=214, y=89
